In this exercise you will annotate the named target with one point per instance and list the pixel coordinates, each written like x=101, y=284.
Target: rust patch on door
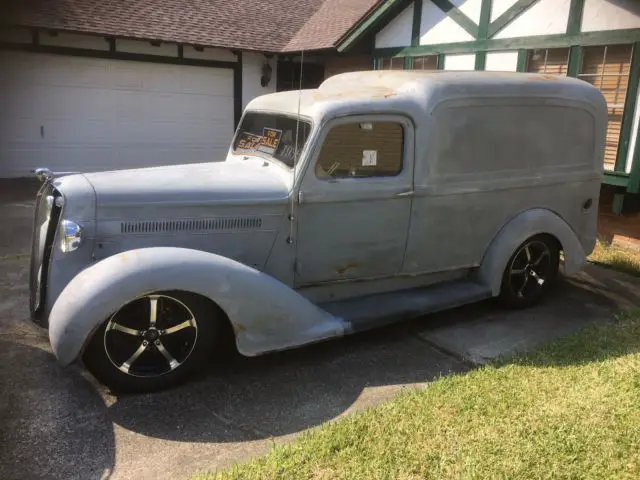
x=349, y=266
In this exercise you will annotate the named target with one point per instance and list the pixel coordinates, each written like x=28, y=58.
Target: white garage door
x=87, y=114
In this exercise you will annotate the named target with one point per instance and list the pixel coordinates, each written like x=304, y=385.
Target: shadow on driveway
x=289, y=392
x=58, y=423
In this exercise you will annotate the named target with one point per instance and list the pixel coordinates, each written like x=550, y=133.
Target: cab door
x=354, y=201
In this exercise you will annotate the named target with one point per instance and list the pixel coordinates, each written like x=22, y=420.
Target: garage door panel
x=100, y=158
x=85, y=114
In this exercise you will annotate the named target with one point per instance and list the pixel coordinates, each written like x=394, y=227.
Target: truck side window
x=361, y=150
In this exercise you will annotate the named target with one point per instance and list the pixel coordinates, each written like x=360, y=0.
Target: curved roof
x=411, y=91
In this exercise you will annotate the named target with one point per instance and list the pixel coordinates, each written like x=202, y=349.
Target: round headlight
x=70, y=236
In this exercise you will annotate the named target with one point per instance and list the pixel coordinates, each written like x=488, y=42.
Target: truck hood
x=251, y=180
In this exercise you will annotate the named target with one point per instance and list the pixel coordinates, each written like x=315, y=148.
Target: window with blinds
x=554, y=61
x=426, y=62
x=393, y=63
x=371, y=149
x=607, y=68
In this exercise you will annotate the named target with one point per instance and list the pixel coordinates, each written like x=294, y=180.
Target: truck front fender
x=265, y=314
x=520, y=228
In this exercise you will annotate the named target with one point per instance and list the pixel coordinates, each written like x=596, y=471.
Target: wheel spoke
x=123, y=329
x=173, y=363
x=528, y=252
x=542, y=256
x=537, y=277
x=153, y=310
x=517, y=271
x=524, y=284
x=127, y=365
x=181, y=326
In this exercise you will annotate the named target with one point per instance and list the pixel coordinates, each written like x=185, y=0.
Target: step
x=372, y=311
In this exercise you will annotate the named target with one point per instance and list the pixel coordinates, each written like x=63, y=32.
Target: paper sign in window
x=270, y=140
x=369, y=158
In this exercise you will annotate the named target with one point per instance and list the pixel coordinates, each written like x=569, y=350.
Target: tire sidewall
x=508, y=297
x=98, y=363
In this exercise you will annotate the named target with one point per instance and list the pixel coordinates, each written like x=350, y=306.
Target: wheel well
x=555, y=240
x=227, y=341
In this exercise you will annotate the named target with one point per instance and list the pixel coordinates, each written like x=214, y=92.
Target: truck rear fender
x=520, y=228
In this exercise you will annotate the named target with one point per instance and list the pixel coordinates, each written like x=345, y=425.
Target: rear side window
x=361, y=150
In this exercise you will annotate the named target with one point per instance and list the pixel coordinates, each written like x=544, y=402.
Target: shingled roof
x=269, y=26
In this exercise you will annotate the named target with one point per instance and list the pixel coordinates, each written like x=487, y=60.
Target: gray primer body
x=222, y=229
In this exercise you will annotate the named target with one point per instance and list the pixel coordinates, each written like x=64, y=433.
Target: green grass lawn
x=568, y=410
x=618, y=257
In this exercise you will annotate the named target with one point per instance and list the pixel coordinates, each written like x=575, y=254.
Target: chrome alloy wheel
x=530, y=269
x=151, y=336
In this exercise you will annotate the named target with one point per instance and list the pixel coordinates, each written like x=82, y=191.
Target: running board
x=372, y=311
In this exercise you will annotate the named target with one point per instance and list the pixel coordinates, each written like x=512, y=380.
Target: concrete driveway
x=58, y=423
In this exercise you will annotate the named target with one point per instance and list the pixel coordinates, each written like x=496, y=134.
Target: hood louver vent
x=201, y=225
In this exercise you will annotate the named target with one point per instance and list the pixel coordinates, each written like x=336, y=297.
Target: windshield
x=272, y=136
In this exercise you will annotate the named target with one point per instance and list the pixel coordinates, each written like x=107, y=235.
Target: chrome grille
x=200, y=225
x=44, y=227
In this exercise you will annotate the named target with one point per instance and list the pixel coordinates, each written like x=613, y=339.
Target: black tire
x=530, y=272
x=114, y=343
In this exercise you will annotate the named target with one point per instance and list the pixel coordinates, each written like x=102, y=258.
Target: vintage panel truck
x=376, y=197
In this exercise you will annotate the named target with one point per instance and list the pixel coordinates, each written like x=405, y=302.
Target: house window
x=554, y=61
x=427, y=62
x=357, y=150
x=607, y=68
x=393, y=63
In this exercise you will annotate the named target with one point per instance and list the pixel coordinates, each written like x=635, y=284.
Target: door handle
x=404, y=194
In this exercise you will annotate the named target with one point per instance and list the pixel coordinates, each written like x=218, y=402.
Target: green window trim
x=629, y=111
x=612, y=37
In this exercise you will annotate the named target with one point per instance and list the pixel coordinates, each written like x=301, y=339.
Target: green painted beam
x=440, y=62
x=575, y=17
x=615, y=179
x=408, y=63
x=629, y=110
x=483, y=33
x=485, y=18
x=618, y=203
x=457, y=16
x=634, y=176
x=522, y=60
x=417, y=19
x=575, y=61
x=631, y=35
x=513, y=12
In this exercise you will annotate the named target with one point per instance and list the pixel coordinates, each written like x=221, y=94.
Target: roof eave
x=141, y=38
x=371, y=20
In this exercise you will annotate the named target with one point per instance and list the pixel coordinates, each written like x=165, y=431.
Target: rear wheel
x=153, y=342
x=530, y=272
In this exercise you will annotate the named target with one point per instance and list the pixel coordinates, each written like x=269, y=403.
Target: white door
x=87, y=114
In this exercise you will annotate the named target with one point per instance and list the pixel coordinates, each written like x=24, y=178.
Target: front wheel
x=153, y=342
x=530, y=272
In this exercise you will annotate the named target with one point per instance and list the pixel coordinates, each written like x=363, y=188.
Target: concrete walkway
x=58, y=423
